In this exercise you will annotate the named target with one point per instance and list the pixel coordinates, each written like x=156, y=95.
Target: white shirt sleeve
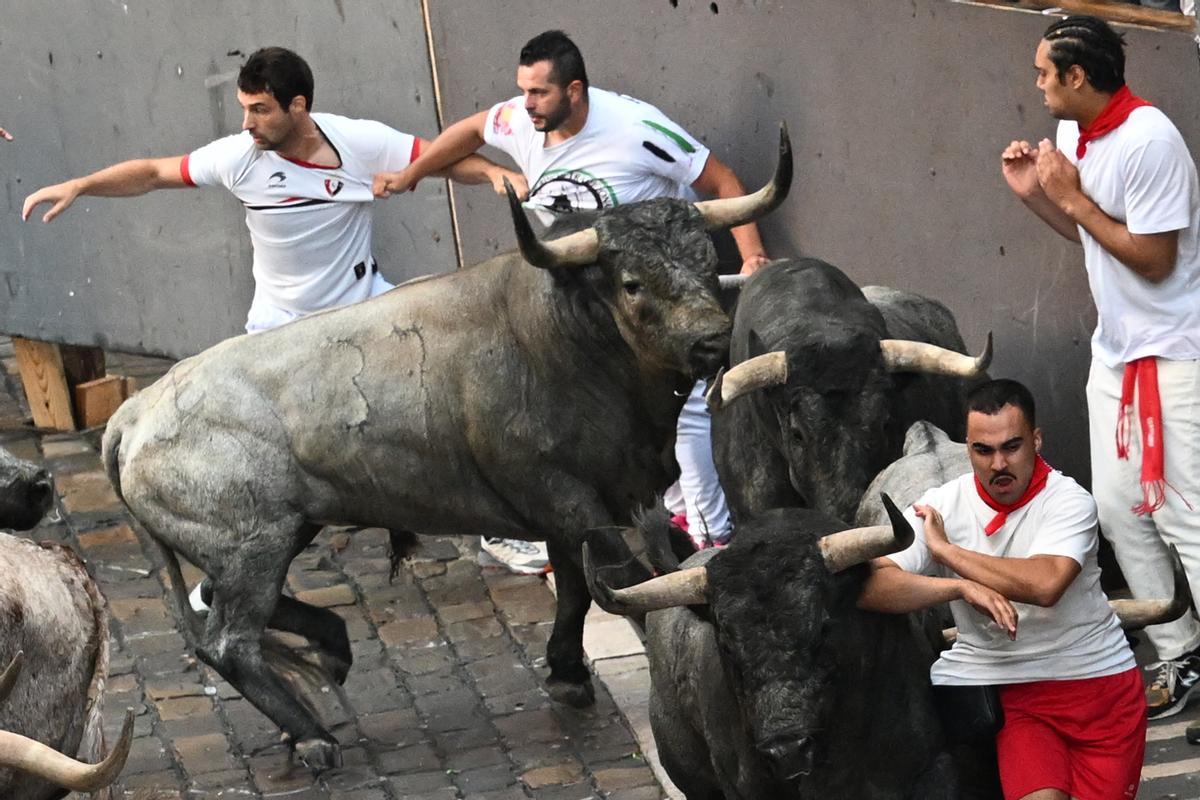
x=1068, y=526
x=1156, y=188
x=219, y=162
x=397, y=150
x=915, y=558
x=503, y=128
x=667, y=149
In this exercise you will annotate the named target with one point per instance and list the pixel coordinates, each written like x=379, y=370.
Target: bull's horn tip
x=712, y=398
x=985, y=359
x=902, y=530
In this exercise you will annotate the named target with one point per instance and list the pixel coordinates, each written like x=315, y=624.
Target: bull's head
x=834, y=402
x=31, y=756
x=776, y=597
x=25, y=492
x=658, y=268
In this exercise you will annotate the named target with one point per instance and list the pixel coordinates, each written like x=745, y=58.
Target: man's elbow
x=1159, y=269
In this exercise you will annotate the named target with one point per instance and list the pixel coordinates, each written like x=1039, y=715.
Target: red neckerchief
x=1037, y=482
x=1143, y=372
x=1119, y=107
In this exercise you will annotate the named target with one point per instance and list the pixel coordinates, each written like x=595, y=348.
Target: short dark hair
x=280, y=72
x=991, y=396
x=1093, y=45
x=557, y=48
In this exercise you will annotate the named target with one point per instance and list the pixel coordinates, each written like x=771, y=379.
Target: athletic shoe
x=1173, y=684
x=526, y=558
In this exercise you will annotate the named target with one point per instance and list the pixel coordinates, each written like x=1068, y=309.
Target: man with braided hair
x=1120, y=181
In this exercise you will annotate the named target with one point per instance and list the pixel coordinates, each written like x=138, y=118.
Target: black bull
x=829, y=379
x=501, y=399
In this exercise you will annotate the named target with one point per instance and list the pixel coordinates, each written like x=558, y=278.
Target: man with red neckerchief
x=1012, y=547
x=1122, y=182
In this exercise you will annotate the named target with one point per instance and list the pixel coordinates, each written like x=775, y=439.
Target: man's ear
x=297, y=105
x=1037, y=440
x=575, y=90
x=1076, y=77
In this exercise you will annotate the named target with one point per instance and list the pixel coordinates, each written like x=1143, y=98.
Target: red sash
x=1120, y=106
x=1143, y=372
x=1041, y=471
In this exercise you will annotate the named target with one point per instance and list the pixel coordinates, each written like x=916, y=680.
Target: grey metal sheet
x=91, y=82
x=898, y=112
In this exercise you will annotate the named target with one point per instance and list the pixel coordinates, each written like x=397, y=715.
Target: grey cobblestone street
x=444, y=699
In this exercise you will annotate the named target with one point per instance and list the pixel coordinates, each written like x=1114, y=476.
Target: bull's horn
x=687, y=587
x=30, y=756
x=9, y=678
x=573, y=250
x=847, y=548
x=731, y=281
x=1137, y=614
x=769, y=369
x=729, y=212
x=901, y=355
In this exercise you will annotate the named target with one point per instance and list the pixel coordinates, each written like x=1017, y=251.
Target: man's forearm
x=891, y=590
x=452, y=145
x=1150, y=256
x=1037, y=580
x=472, y=170
x=1053, y=216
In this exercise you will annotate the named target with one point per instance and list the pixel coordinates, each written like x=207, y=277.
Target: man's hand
x=752, y=263
x=935, y=531
x=519, y=184
x=61, y=195
x=387, y=184
x=5, y=135
x=990, y=603
x=1018, y=163
x=1057, y=176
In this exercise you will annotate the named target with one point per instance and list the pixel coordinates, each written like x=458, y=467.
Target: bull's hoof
x=576, y=695
x=318, y=754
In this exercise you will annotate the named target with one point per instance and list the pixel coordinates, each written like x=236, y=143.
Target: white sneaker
x=197, y=603
x=527, y=558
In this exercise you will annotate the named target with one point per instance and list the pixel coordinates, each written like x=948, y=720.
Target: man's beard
x=555, y=119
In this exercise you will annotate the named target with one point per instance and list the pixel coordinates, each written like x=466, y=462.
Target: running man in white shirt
x=583, y=148
x=1122, y=182
x=1012, y=547
x=304, y=179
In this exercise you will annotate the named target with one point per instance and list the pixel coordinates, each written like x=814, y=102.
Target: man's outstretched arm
x=452, y=145
x=126, y=179
x=892, y=590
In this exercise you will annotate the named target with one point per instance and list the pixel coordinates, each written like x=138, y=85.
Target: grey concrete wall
x=898, y=112
x=87, y=83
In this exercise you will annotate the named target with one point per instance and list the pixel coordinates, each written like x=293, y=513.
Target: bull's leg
x=246, y=592
x=320, y=625
x=569, y=681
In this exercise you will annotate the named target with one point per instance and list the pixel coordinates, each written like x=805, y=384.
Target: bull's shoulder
x=909, y=315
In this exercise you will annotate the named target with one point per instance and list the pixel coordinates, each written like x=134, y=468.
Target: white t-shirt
x=1143, y=175
x=310, y=225
x=627, y=151
x=1078, y=637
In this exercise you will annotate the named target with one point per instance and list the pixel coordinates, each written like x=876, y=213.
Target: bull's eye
x=631, y=287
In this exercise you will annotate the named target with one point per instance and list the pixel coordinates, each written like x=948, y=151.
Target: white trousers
x=1140, y=542
x=263, y=316
x=698, y=493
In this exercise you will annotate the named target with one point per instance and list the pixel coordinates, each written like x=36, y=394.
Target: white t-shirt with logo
x=1142, y=174
x=1078, y=637
x=627, y=151
x=310, y=225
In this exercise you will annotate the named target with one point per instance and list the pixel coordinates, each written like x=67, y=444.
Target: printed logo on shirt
x=566, y=190
x=277, y=180
x=502, y=124
x=333, y=187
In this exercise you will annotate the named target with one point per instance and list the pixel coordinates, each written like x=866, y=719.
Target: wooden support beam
x=96, y=401
x=1111, y=10
x=45, y=381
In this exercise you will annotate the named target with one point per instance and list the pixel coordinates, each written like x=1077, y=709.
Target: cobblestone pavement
x=444, y=699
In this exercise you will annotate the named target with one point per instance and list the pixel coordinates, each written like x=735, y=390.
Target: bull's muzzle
x=708, y=354
x=790, y=758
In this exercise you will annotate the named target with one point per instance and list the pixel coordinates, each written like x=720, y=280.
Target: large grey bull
x=830, y=378
x=529, y=403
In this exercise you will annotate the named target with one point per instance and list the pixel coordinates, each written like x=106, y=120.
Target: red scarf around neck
x=1037, y=482
x=1120, y=106
x=1143, y=373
